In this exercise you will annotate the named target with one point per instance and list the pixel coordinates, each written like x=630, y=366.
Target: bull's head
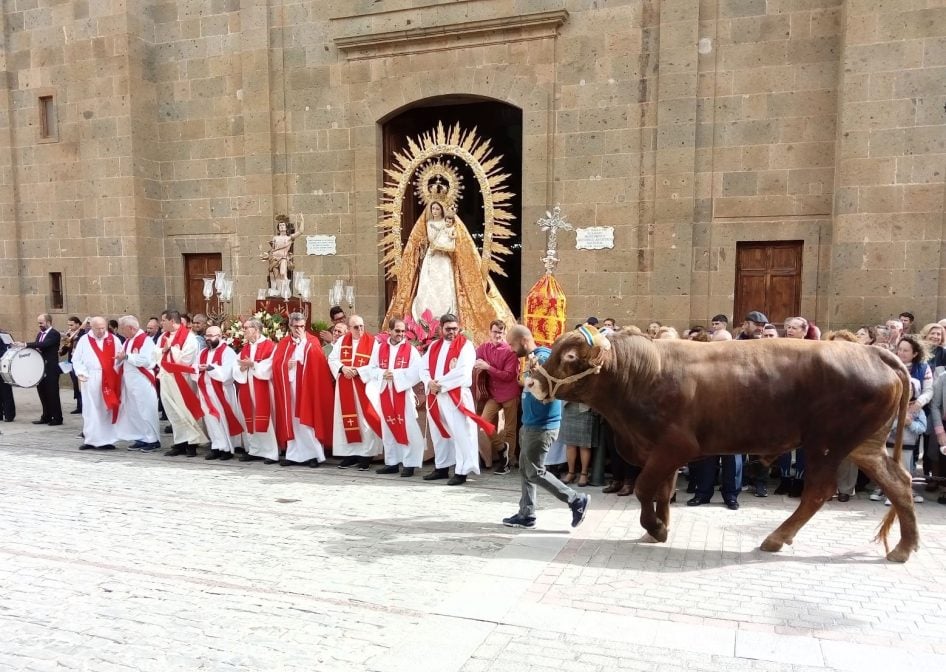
x=576, y=356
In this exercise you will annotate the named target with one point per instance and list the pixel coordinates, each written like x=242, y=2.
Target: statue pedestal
x=277, y=305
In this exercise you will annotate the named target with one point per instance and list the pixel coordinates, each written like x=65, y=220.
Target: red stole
x=111, y=379
x=393, y=402
x=314, y=391
x=180, y=372
x=349, y=387
x=433, y=405
x=256, y=415
x=233, y=424
x=133, y=346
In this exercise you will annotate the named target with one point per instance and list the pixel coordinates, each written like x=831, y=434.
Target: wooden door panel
x=768, y=278
x=783, y=298
x=196, y=268
x=753, y=259
x=785, y=258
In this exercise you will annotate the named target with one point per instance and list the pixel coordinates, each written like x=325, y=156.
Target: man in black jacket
x=7, y=402
x=47, y=343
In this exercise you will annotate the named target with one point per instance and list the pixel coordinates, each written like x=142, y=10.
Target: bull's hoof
x=659, y=533
x=898, y=555
x=771, y=545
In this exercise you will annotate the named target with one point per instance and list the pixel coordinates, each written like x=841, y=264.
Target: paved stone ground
x=127, y=561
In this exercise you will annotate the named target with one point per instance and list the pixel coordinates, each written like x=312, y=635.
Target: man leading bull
x=676, y=401
x=540, y=424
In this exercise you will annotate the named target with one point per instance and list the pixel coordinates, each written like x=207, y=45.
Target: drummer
x=7, y=402
x=47, y=343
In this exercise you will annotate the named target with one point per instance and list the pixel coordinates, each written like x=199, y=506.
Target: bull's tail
x=884, y=530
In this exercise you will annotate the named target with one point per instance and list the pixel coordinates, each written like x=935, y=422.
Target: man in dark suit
x=7, y=403
x=47, y=343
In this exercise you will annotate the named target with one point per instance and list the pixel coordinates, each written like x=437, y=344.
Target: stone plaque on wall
x=320, y=245
x=594, y=238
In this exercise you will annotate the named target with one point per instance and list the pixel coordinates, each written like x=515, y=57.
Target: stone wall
x=687, y=125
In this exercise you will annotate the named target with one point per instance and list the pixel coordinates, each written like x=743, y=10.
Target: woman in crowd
x=912, y=352
x=934, y=336
x=866, y=335
x=577, y=433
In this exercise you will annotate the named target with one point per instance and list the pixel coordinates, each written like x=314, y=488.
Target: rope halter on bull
x=592, y=337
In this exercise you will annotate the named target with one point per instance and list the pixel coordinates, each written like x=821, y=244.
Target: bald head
x=213, y=337
x=520, y=339
x=99, y=326
x=356, y=325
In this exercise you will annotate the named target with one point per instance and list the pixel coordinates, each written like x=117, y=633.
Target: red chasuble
x=180, y=372
x=133, y=347
x=256, y=416
x=393, y=402
x=349, y=387
x=233, y=423
x=111, y=379
x=433, y=404
x=315, y=392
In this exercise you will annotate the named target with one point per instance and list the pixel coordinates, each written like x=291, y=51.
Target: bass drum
x=22, y=367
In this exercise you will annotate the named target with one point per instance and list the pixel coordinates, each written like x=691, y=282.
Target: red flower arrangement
x=421, y=333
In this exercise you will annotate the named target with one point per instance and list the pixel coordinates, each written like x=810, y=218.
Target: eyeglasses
x=356, y=326
x=451, y=328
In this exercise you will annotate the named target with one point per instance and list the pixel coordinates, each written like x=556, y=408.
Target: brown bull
x=674, y=401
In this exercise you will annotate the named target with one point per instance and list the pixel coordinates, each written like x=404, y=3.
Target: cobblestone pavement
x=129, y=561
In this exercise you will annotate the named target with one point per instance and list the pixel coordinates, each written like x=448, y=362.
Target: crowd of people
x=369, y=398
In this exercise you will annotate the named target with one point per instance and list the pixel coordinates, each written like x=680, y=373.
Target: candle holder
x=223, y=284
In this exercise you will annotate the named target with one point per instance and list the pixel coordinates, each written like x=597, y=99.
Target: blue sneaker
x=579, y=506
x=149, y=447
x=518, y=520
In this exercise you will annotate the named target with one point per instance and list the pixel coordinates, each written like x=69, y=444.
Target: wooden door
x=196, y=268
x=768, y=278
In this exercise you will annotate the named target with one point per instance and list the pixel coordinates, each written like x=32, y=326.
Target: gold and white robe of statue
x=259, y=443
x=97, y=426
x=404, y=364
x=215, y=414
x=370, y=444
x=436, y=287
x=138, y=414
x=462, y=448
x=185, y=426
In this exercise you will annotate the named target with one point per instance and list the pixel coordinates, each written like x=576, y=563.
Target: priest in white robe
x=303, y=390
x=447, y=373
x=253, y=372
x=395, y=369
x=218, y=396
x=356, y=435
x=175, y=355
x=94, y=361
x=138, y=415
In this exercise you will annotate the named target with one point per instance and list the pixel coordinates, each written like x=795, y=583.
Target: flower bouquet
x=421, y=333
x=274, y=328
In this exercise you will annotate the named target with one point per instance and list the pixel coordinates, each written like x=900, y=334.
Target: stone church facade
x=135, y=132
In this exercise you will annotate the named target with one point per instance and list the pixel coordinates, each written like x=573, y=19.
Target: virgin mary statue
x=440, y=271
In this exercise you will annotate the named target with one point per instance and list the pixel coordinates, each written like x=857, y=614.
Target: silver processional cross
x=552, y=223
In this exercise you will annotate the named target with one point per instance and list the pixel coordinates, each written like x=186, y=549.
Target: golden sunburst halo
x=433, y=148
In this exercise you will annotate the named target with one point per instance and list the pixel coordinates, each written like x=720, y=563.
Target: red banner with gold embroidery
x=545, y=310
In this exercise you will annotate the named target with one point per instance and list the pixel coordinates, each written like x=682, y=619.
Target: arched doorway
x=495, y=120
